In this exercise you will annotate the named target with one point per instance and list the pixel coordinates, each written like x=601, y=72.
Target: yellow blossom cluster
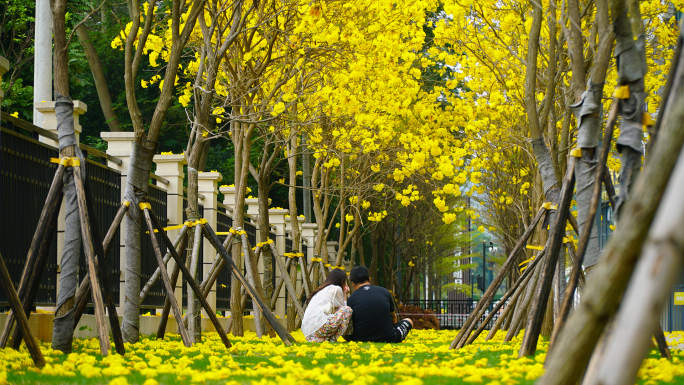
x=423, y=357
x=486, y=43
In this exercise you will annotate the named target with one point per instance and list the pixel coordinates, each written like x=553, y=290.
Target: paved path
x=675, y=341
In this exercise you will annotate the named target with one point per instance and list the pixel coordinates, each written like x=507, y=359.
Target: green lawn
x=422, y=359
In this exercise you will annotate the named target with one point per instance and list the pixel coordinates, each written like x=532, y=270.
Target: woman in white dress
x=321, y=322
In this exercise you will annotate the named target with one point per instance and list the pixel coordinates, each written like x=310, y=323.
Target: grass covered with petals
x=423, y=359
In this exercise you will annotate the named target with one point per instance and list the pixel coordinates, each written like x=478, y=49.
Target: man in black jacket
x=373, y=314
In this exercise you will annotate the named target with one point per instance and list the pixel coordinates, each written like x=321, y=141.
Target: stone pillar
x=120, y=145
x=253, y=208
x=309, y=235
x=170, y=167
x=206, y=185
x=332, y=252
x=4, y=66
x=228, y=197
x=277, y=219
x=50, y=119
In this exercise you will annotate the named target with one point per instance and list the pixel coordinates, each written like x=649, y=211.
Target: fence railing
x=452, y=313
x=157, y=198
x=26, y=175
x=105, y=185
x=223, y=224
x=200, y=265
x=672, y=318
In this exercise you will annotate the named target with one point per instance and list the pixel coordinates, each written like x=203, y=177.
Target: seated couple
x=368, y=315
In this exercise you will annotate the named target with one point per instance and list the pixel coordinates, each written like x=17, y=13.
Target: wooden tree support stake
x=31, y=343
x=288, y=283
x=279, y=286
x=305, y=276
x=488, y=296
x=270, y=317
x=186, y=274
x=102, y=334
x=155, y=276
x=165, y=278
x=523, y=279
x=101, y=267
x=662, y=343
x=211, y=276
x=83, y=293
x=252, y=281
x=506, y=315
x=215, y=269
x=54, y=194
x=161, y=330
x=554, y=243
x=584, y=237
x=33, y=283
x=659, y=267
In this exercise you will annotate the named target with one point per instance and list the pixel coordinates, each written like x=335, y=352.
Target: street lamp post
x=484, y=267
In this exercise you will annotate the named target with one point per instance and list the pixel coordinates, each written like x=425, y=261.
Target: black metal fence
x=672, y=318
x=157, y=198
x=288, y=245
x=251, y=231
x=452, y=313
x=200, y=267
x=223, y=224
x=105, y=185
x=26, y=175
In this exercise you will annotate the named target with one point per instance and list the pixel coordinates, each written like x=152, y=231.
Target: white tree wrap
x=63, y=326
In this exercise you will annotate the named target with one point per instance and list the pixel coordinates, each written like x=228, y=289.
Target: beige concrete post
x=253, y=209
x=47, y=108
x=277, y=218
x=228, y=197
x=332, y=251
x=207, y=186
x=170, y=167
x=120, y=145
x=309, y=235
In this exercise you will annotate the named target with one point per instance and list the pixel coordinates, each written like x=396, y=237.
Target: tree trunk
x=194, y=233
x=416, y=286
x=135, y=192
x=264, y=234
x=606, y=284
x=375, y=252
x=99, y=78
x=587, y=113
x=62, y=329
x=631, y=61
x=547, y=324
x=294, y=221
x=658, y=269
x=146, y=136
x=241, y=134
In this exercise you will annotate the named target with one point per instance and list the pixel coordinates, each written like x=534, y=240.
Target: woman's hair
x=335, y=277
